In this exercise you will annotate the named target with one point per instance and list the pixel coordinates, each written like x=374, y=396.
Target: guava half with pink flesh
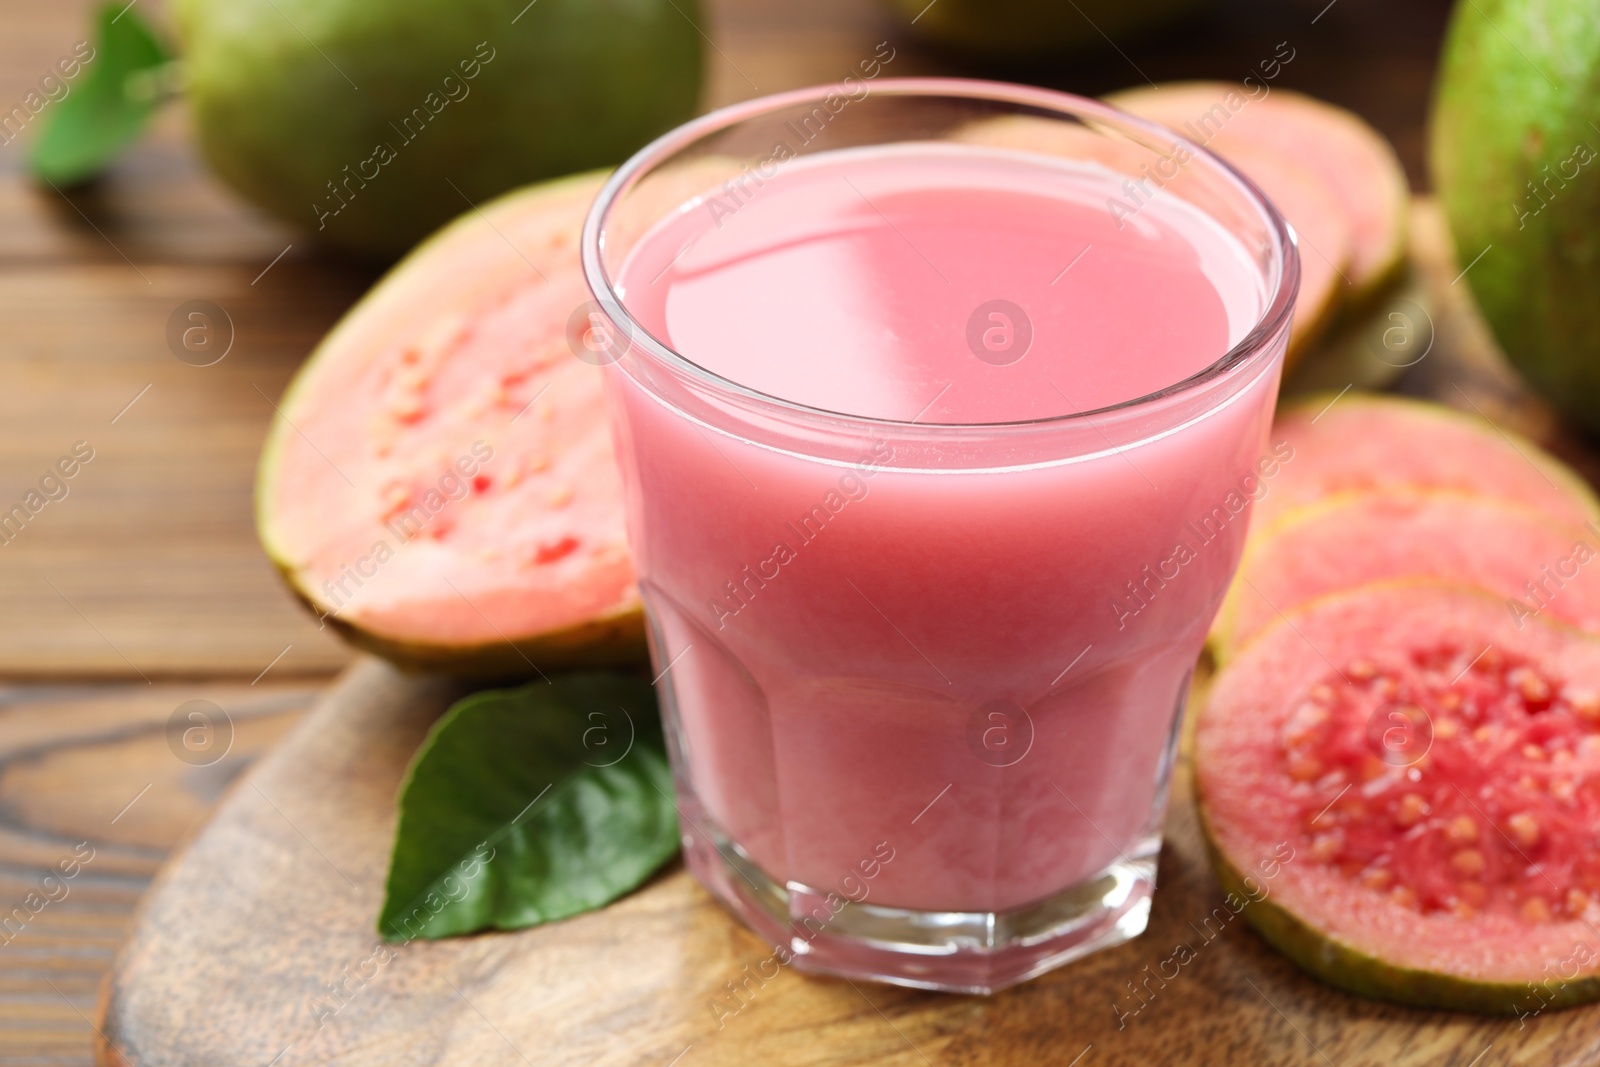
x=1360, y=442
x=1323, y=233
x=1297, y=193
x=1351, y=160
x=1535, y=564
x=1405, y=786
x=439, y=484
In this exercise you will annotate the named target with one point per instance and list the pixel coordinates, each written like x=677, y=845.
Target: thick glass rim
x=1273, y=318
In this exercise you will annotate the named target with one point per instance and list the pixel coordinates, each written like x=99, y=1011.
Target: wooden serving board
x=256, y=945
x=275, y=899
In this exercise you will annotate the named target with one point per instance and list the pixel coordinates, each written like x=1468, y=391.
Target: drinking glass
x=922, y=680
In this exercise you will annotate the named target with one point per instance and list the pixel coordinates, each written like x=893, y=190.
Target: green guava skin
x=285, y=94
x=1019, y=29
x=1519, y=91
x=616, y=640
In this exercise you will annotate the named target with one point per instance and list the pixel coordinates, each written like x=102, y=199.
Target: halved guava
x=1299, y=196
x=1535, y=564
x=1406, y=786
x=1323, y=232
x=1358, y=442
x=1353, y=161
x=439, y=482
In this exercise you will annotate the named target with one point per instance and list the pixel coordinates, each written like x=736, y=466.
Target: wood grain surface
x=89, y=767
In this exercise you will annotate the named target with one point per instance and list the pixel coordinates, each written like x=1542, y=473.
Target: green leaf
x=106, y=105
x=529, y=805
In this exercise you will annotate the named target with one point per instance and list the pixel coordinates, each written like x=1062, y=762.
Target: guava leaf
x=529, y=805
x=106, y=105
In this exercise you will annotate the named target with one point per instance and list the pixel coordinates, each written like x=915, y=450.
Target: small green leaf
x=529, y=805
x=107, y=105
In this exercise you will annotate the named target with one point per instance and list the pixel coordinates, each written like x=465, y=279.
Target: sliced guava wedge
x=1316, y=214
x=1405, y=785
x=1323, y=232
x=1360, y=442
x=1353, y=161
x=1534, y=563
x=439, y=483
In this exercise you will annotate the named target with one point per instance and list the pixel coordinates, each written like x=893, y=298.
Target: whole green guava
x=1018, y=29
x=1514, y=159
x=371, y=124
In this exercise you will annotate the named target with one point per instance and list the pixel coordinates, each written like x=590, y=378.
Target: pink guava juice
x=936, y=667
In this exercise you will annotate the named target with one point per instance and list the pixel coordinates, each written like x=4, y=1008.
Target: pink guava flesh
x=1317, y=215
x=1322, y=230
x=1538, y=565
x=1433, y=767
x=441, y=474
x=1361, y=442
x=1348, y=158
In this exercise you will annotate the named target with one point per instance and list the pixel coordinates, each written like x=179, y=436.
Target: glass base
x=952, y=951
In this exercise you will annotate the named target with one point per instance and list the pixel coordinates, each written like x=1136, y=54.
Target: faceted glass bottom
x=956, y=952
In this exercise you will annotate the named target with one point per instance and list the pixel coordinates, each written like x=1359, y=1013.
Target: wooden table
x=144, y=588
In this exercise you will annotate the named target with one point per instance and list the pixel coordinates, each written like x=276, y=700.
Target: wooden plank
x=149, y=566
x=88, y=771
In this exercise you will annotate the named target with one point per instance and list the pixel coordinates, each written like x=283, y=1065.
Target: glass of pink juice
x=940, y=405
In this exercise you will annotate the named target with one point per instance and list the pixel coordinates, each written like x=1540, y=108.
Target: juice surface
x=868, y=282
x=835, y=638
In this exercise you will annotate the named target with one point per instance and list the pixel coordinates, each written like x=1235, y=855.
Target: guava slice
x=1359, y=442
x=1322, y=229
x=1535, y=564
x=1405, y=785
x=439, y=482
x=1353, y=161
x=1296, y=192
